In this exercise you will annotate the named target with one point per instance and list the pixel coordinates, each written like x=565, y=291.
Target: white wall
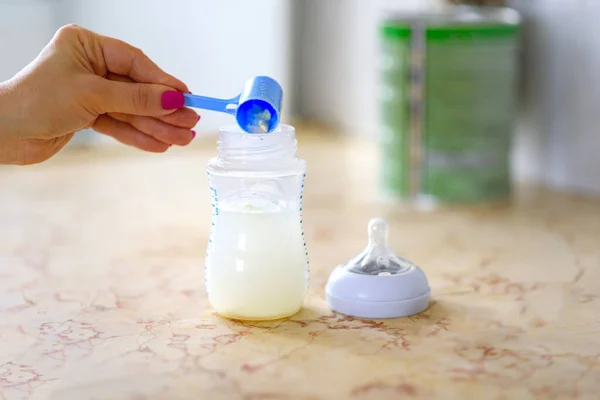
x=25, y=28
x=563, y=92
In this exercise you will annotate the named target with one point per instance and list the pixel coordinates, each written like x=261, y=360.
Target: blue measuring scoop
x=257, y=109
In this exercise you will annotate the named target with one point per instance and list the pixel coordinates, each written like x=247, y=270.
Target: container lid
x=377, y=283
x=454, y=16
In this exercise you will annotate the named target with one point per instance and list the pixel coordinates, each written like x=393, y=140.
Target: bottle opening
x=236, y=145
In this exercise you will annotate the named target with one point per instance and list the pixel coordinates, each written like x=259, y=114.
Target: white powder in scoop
x=258, y=120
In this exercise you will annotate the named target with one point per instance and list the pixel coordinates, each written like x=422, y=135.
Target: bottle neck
x=235, y=146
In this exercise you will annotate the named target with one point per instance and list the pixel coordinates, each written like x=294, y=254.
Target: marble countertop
x=102, y=295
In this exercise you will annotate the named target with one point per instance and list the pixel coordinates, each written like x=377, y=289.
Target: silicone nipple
x=377, y=283
x=378, y=258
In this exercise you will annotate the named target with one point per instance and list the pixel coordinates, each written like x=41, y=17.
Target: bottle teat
x=378, y=258
x=378, y=232
x=377, y=283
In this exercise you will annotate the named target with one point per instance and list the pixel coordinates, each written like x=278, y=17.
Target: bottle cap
x=377, y=283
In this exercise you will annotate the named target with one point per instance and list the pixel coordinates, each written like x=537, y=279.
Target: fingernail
x=198, y=118
x=193, y=134
x=172, y=100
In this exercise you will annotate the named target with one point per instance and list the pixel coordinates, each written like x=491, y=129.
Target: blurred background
x=326, y=55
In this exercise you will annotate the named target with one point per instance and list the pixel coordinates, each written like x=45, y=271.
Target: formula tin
x=448, y=102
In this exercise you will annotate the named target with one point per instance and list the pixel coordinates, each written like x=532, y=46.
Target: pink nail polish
x=198, y=118
x=172, y=100
x=193, y=134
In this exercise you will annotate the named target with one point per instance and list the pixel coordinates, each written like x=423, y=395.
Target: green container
x=448, y=102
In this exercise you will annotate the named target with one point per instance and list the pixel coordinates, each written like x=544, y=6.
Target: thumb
x=139, y=98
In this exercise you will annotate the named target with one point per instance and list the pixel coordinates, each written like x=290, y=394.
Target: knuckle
x=163, y=131
x=137, y=54
x=141, y=97
x=137, y=51
x=68, y=31
x=138, y=140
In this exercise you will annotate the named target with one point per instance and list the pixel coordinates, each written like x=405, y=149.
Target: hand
x=82, y=80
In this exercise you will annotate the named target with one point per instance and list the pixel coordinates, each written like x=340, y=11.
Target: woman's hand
x=83, y=80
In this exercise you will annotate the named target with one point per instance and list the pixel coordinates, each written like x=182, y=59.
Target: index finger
x=123, y=59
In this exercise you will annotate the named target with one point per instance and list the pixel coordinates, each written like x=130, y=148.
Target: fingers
x=124, y=59
x=119, y=78
x=160, y=130
x=133, y=98
x=183, y=118
x=129, y=135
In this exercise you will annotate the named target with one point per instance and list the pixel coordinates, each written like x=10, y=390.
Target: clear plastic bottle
x=256, y=261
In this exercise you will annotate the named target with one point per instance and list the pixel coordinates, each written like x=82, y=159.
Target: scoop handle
x=228, y=106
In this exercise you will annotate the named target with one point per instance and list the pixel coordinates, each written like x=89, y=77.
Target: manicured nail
x=172, y=100
x=193, y=134
x=198, y=118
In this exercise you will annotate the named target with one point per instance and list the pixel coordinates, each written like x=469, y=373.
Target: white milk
x=256, y=266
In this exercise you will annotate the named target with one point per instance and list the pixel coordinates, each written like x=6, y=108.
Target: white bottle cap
x=377, y=283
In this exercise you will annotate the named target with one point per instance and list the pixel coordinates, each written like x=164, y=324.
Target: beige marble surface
x=102, y=296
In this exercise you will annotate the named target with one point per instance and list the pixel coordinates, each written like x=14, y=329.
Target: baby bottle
x=256, y=261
